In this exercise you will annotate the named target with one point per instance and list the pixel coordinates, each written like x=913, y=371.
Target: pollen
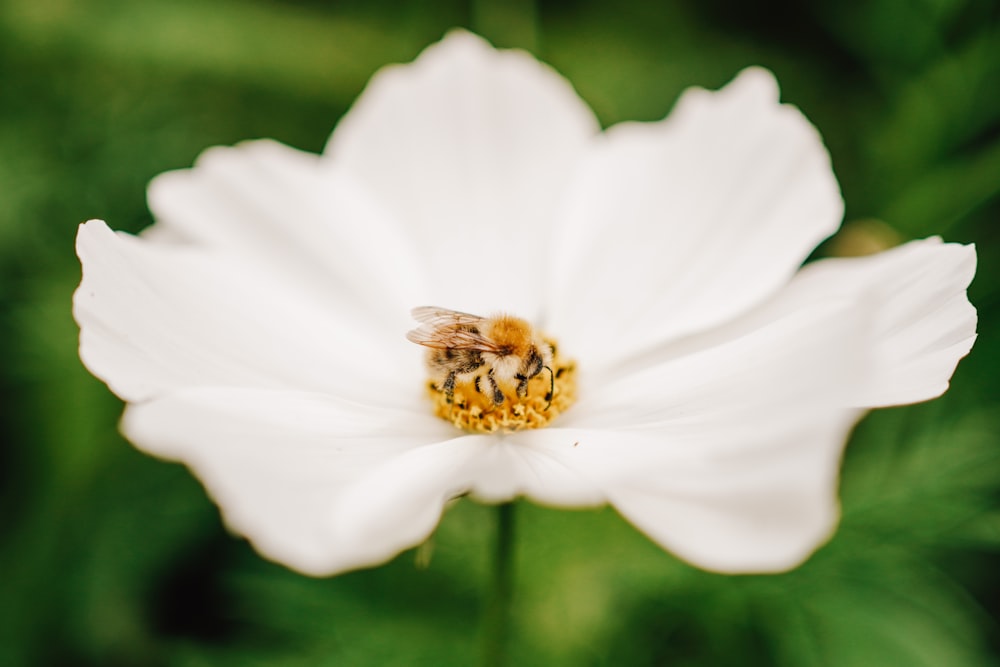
x=472, y=409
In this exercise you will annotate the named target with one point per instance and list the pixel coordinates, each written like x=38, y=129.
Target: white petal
x=285, y=212
x=155, y=317
x=762, y=508
x=679, y=225
x=471, y=147
x=283, y=467
x=530, y=464
x=493, y=468
x=403, y=499
x=800, y=364
x=921, y=325
x=728, y=457
x=924, y=323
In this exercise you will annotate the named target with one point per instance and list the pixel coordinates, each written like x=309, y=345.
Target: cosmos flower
x=257, y=330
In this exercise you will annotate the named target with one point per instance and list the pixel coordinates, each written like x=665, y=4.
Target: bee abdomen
x=458, y=361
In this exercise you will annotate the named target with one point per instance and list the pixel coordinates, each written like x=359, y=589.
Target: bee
x=495, y=354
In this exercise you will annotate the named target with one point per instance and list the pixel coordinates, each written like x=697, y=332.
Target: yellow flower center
x=473, y=407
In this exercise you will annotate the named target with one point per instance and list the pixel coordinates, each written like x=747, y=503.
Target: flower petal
x=729, y=456
x=676, y=226
x=493, y=468
x=403, y=499
x=530, y=464
x=155, y=317
x=924, y=323
x=763, y=508
x=472, y=148
x=281, y=466
x=744, y=496
x=284, y=211
x=800, y=364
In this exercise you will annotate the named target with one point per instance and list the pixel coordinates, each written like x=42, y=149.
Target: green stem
x=498, y=613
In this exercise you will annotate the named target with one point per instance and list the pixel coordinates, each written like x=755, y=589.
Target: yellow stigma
x=472, y=410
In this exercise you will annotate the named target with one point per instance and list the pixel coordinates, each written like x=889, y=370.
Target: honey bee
x=495, y=354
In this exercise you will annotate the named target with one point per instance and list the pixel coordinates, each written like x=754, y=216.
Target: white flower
x=256, y=331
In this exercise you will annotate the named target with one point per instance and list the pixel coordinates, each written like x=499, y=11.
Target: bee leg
x=531, y=367
x=494, y=389
x=449, y=386
x=522, y=385
x=552, y=387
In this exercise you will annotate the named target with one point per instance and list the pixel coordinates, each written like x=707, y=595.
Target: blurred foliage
x=111, y=558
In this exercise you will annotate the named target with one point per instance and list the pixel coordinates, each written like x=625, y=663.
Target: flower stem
x=498, y=612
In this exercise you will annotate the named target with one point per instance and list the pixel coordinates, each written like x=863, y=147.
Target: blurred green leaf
x=308, y=51
x=895, y=614
x=945, y=195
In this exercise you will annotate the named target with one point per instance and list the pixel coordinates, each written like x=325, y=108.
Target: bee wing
x=442, y=316
x=449, y=329
x=450, y=337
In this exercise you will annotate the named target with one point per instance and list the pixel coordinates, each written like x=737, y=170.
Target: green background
x=108, y=557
